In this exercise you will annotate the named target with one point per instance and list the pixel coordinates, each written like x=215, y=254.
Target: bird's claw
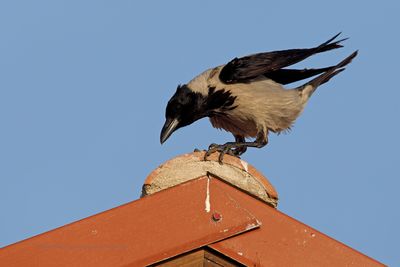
x=222, y=149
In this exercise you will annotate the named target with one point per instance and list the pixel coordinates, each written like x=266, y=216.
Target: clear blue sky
x=83, y=88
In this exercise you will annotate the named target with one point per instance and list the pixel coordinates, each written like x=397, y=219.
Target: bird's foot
x=228, y=148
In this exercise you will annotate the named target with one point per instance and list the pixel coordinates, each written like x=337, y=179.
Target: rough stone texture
x=191, y=166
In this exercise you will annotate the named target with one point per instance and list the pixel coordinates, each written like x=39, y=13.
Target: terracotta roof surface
x=204, y=212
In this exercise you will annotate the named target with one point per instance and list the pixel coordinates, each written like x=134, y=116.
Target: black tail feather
x=286, y=76
x=332, y=71
x=329, y=46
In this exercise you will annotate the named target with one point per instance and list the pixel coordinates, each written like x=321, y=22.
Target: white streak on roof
x=245, y=165
x=207, y=202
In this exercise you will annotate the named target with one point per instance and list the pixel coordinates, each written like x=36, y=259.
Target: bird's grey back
x=262, y=104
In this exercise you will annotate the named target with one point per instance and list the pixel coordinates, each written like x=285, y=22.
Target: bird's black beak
x=169, y=127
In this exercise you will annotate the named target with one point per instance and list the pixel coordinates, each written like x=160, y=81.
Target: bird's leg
x=233, y=152
x=239, y=150
x=223, y=149
x=236, y=148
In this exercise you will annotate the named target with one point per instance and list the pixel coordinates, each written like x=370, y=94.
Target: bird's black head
x=184, y=108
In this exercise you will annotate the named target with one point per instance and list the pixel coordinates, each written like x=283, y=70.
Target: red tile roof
x=202, y=212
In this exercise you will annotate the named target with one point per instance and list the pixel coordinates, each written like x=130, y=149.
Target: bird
x=247, y=97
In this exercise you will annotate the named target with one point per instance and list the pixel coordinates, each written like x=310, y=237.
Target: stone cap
x=191, y=166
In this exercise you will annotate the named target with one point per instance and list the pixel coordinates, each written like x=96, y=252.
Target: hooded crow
x=246, y=96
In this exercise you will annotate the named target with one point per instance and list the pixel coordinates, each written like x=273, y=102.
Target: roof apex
x=234, y=171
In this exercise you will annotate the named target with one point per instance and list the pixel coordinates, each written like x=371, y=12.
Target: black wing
x=285, y=76
x=250, y=67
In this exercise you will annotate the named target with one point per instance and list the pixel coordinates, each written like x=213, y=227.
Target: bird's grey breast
x=245, y=128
